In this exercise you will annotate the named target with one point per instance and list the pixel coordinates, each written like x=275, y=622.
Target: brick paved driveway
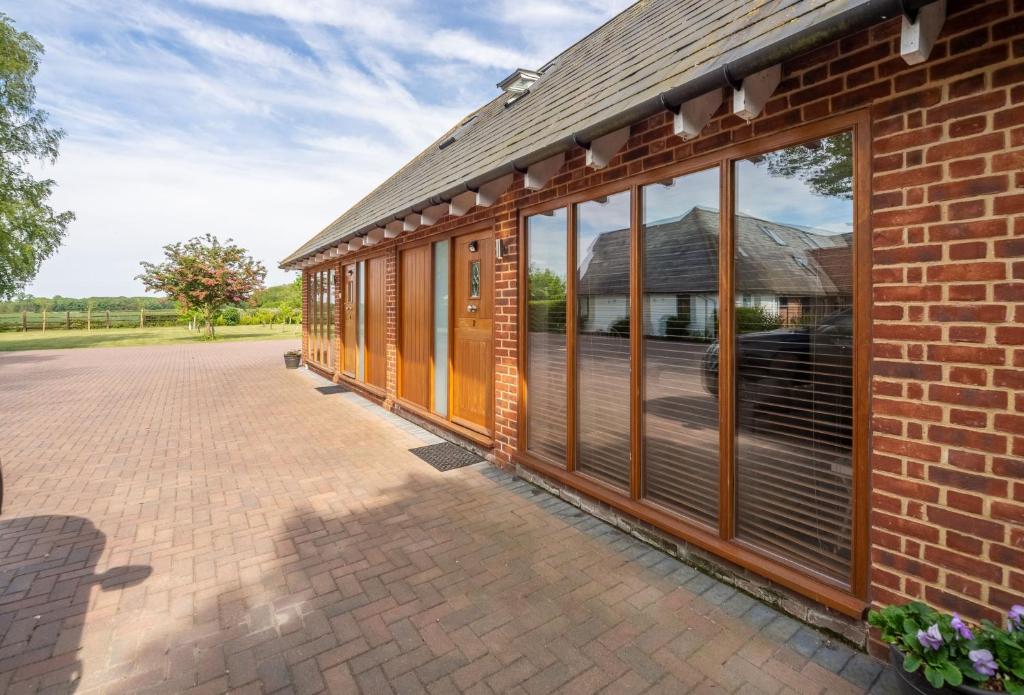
x=197, y=517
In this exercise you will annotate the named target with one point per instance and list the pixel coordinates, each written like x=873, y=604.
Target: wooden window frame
x=428, y=414
x=849, y=598
x=321, y=332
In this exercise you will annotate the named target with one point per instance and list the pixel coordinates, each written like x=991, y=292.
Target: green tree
x=30, y=230
x=546, y=284
x=825, y=165
x=204, y=276
x=287, y=296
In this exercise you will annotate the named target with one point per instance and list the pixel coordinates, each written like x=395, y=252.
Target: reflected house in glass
x=790, y=272
x=746, y=278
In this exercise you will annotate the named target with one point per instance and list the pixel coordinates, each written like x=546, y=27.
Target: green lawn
x=120, y=337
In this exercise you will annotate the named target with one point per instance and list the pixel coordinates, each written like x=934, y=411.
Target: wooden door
x=348, y=333
x=414, y=327
x=376, y=323
x=472, y=375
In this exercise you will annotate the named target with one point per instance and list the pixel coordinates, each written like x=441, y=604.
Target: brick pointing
x=947, y=233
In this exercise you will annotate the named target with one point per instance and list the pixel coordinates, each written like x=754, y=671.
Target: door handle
x=472, y=308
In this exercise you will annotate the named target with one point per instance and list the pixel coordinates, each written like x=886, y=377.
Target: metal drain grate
x=334, y=388
x=446, y=456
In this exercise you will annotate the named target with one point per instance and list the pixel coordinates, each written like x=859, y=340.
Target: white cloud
x=261, y=120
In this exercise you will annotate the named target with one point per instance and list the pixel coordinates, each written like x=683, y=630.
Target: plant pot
x=916, y=684
x=292, y=359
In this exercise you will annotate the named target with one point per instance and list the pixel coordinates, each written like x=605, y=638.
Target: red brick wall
x=948, y=504
x=948, y=308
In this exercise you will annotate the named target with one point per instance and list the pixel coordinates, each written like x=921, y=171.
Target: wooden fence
x=43, y=320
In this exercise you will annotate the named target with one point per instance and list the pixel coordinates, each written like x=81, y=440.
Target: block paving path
x=198, y=519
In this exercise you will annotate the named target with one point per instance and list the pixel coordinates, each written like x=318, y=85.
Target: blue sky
x=260, y=120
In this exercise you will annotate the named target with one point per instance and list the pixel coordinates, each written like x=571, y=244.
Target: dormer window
x=518, y=83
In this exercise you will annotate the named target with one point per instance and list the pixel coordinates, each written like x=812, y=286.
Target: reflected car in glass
x=797, y=378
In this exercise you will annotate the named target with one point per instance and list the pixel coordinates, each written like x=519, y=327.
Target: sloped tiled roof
x=681, y=257
x=613, y=74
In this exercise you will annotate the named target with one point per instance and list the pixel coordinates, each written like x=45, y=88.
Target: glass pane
x=680, y=317
x=323, y=316
x=361, y=322
x=474, y=279
x=318, y=317
x=547, y=261
x=441, y=328
x=602, y=346
x=330, y=317
x=794, y=352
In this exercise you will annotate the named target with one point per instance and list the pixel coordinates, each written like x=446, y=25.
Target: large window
x=727, y=417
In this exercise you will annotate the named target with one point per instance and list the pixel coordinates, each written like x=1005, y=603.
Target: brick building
x=851, y=432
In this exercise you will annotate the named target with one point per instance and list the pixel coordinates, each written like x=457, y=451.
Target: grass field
x=119, y=337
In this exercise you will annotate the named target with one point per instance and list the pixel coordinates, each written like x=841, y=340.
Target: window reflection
x=440, y=328
x=794, y=352
x=680, y=319
x=548, y=266
x=602, y=346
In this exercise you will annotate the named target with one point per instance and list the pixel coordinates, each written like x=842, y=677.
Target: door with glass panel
x=423, y=315
x=472, y=373
x=349, y=300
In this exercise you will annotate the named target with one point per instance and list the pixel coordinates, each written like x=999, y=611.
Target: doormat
x=334, y=388
x=446, y=456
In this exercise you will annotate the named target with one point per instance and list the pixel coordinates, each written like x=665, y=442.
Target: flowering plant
x=947, y=650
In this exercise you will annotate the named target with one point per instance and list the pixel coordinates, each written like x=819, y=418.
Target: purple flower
x=961, y=629
x=983, y=662
x=932, y=639
x=1016, y=617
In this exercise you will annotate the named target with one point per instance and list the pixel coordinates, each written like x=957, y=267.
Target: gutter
x=729, y=75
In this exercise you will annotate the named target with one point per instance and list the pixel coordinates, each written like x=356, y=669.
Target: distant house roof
x=680, y=257
x=615, y=75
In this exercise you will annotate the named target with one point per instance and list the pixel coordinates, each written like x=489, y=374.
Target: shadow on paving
x=459, y=583
x=47, y=576
x=471, y=581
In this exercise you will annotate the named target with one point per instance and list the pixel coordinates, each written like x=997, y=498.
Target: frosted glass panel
x=441, y=328
x=361, y=324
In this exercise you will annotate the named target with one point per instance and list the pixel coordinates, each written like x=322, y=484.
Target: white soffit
x=602, y=149
x=492, y=190
x=412, y=222
x=538, y=175
x=432, y=214
x=694, y=114
x=918, y=37
x=463, y=203
x=748, y=101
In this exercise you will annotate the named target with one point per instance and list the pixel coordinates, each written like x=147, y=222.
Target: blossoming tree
x=204, y=276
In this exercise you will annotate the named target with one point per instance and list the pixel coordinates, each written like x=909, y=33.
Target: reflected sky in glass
x=546, y=239
x=793, y=200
